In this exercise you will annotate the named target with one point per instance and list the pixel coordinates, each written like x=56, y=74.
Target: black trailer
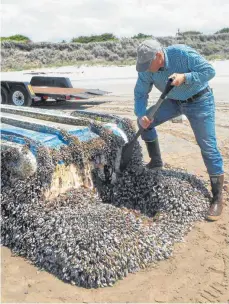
x=17, y=93
x=43, y=88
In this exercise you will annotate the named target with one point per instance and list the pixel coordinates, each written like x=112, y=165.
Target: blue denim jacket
x=178, y=59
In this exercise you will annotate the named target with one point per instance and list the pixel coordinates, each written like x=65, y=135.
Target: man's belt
x=194, y=97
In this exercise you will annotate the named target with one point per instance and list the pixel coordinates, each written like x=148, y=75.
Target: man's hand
x=145, y=122
x=178, y=79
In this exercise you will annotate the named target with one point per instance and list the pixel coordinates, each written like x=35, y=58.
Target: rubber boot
x=216, y=206
x=154, y=154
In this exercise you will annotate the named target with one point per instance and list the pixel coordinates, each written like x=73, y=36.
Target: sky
x=57, y=20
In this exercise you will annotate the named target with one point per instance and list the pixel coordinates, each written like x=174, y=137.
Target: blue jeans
x=201, y=115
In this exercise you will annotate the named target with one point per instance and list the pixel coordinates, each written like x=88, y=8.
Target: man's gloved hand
x=178, y=79
x=145, y=122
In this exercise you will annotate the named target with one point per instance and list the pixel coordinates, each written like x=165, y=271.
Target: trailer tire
x=19, y=96
x=4, y=96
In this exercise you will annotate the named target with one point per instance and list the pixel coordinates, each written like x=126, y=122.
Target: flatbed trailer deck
x=43, y=88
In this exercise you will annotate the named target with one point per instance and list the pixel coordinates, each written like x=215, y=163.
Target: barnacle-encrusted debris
x=94, y=238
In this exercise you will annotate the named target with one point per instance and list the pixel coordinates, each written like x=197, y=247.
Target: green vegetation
x=17, y=55
x=187, y=33
x=79, y=63
x=141, y=36
x=95, y=38
x=16, y=38
x=217, y=57
x=223, y=30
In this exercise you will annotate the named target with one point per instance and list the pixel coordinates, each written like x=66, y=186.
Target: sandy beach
x=198, y=270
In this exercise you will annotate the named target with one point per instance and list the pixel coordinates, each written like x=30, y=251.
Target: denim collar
x=166, y=66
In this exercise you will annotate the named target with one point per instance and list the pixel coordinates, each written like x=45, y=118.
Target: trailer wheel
x=19, y=96
x=4, y=96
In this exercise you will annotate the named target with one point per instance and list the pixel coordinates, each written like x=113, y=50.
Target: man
x=191, y=96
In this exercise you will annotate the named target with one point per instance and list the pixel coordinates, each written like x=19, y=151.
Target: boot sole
x=212, y=218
